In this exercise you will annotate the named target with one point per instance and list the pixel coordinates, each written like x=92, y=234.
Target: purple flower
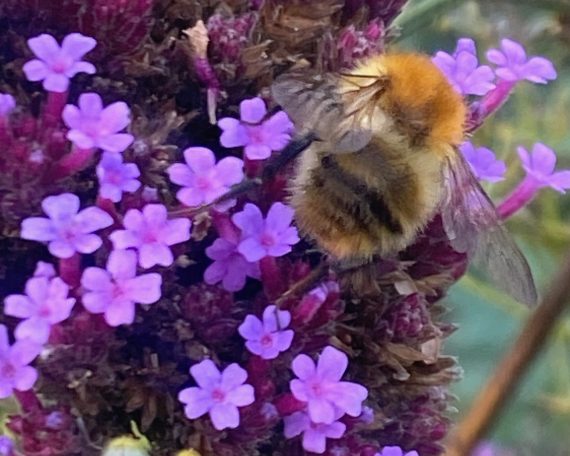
x=6, y=446
x=314, y=434
x=267, y=338
x=321, y=388
x=116, y=177
x=91, y=125
x=273, y=236
x=56, y=65
x=259, y=138
x=395, y=451
x=463, y=71
x=115, y=291
x=7, y=104
x=219, y=394
x=483, y=162
x=45, y=303
x=14, y=370
x=152, y=234
x=67, y=230
x=539, y=166
x=204, y=180
x=515, y=66
x=229, y=266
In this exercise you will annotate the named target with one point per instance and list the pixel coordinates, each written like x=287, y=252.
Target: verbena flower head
x=114, y=291
x=539, y=166
x=229, y=267
x=321, y=387
x=259, y=137
x=261, y=237
x=92, y=125
x=56, y=65
x=483, y=162
x=463, y=70
x=315, y=435
x=514, y=65
x=45, y=303
x=15, y=373
x=267, y=337
x=395, y=451
x=203, y=179
x=67, y=230
x=116, y=177
x=151, y=233
x=7, y=104
x=218, y=393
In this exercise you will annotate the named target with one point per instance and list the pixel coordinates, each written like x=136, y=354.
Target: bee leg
x=358, y=275
x=287, y=155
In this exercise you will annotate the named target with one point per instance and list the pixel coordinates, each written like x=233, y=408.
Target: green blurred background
x=537, y=421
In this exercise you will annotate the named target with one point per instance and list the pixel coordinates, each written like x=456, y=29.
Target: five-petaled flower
x=218, y=393
x=115, y=291
x=67, y=230
x=483, y=162
x=15, y=372
x=229, y=267
x=116, y=177
x=273, y=236
x=539, y=166
x=259, y=138
x=320, y=386
x=314, y=434
x=45, y=303
x=203, y=179
x=268, y=337
x=92, y=125
x=152, y=234
x=514, y=65
x=395, y=451
x=56, y=65
x=7, y=104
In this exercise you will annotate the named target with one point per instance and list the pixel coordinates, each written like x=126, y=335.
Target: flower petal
x=19, y=306
x=144, y=289
x=34, y=329
x=241, y=396
x=198, y=402
x=199, y=159
x=38, y=229
x=303, y=367
x=224, y=416
x=206, y=374
x=251, y=328
x=232, y=377
x=45, y=47
x=35, y=70
x=332, y=364
x=120, y=313
x=61, y=207
x=77, y=45
x=56, y=83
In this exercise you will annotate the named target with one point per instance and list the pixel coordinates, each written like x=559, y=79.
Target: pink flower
x=67, y=230
x=229, y=267
x=514, y=65
x=116, y=177
x=56, y=65
x=259, y=138
x=115, y=291
x=45, y=303
x=219, y=394
x=483, y=162
x=152, y=234
x=14, y=370
x=314, y=434
x=273, y=236
x=321, y=388
x=203, y=179
x=7, y=104
x=395, y=451
x=267, y=338
x=91, y=125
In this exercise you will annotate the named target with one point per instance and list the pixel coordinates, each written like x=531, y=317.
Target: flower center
x=202, y=183
x=59, y=65
x=316, y=388
x=218, y=395
x=267, y=239
x=44, y=312
x=266, y=340
x=7, y=371
x=255, y=134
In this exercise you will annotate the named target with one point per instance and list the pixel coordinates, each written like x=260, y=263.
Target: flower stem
x=490, y=103
x=28, y=400
x=72, y=163
x=54, y=107
x=519, y=198
x=70, y=270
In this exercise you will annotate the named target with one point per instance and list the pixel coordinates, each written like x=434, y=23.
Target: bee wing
x=473, y=226
x=316, y=105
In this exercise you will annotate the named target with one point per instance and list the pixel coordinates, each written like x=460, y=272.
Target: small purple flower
x=91, y=125
x=116, y=177
x=203, y=179
x=273, y=236
x=67, y=230
x=321, y=388
x=539, y=166
x=483, y=162
x=514, y=65
x=229, y=266
x=56, y=65
x=14, y=359
x=6, y=446
x=315, y=435
x=463, y=71
x=259, y=138
x=267, y=338
x=219, y=394
x=7, y=104
x=152, y=234
x=115, y=291
x=45, y=303
x=395, y=451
